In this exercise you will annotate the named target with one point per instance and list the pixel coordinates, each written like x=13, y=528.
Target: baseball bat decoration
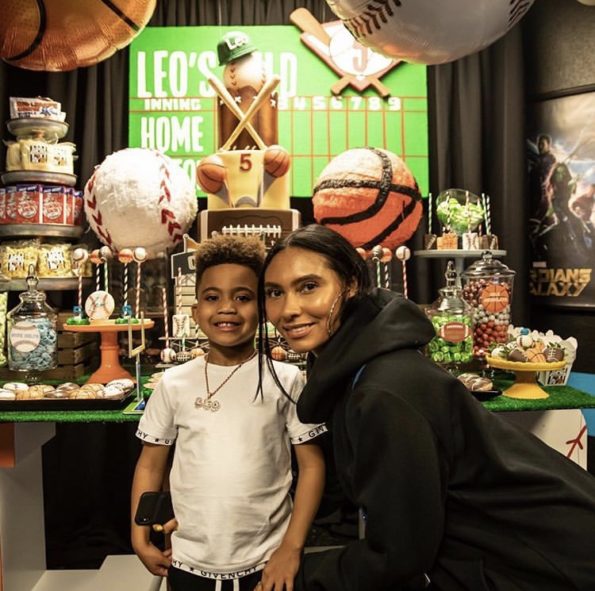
x=229, y=102
x=263, y=94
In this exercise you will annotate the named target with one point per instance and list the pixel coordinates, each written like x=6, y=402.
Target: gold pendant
x=207, y=404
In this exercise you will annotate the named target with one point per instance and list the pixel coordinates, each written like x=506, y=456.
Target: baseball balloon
x=140, y=197
x=210, y=174
x=426, y=31
x=60, y=35
x=368, y=196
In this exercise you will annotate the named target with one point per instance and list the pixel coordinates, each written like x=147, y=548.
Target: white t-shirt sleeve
x=299, y=432
x=157, y=422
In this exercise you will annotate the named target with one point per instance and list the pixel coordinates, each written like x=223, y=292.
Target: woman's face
x=303, y=297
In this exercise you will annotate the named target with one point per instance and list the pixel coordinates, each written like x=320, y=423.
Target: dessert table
x=557, y=420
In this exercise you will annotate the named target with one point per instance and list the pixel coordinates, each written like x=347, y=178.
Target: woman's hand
x=281, y=569
x=155, y=561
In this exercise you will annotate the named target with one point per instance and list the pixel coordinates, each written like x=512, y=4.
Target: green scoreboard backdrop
x=173, y=108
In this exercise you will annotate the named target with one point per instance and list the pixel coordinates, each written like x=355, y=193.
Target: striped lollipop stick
x=79, y=257
x=165, y=315
x=125, y=256
x=387, y=257
x=140, y=256
x=403, y=254
x=96, y=260
x=105, y=252
x=376, y=258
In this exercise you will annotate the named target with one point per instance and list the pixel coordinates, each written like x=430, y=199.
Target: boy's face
x=226, y=308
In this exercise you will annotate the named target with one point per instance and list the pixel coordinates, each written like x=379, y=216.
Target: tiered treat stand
x=109, y=367
x=458, y=255
x=525, y=386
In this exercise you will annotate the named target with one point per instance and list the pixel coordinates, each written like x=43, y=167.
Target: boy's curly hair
x=229, y=250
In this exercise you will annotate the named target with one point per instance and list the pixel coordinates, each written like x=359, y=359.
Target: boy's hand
x=155, y=561
x=281, y=569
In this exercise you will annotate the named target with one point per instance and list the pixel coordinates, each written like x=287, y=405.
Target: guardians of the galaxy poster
x=561, y=193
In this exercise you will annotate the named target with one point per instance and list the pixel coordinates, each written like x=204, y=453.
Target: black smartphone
x=154, y=508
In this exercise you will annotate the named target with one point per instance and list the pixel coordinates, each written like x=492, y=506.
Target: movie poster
x=561, y=161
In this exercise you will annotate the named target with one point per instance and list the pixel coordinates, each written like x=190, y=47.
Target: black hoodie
x=448, y=489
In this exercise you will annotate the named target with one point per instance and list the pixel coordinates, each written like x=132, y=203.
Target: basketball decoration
x=276, y=160
x=370, y=197
x=61, y=35
x=426, y=31
x=494, y=298
x=210, y=174
x=141, y=199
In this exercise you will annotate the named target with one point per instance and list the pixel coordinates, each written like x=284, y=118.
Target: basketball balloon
x=210, y=174
x=426, y=31
x=60, y=35
x=276, y=161
x=370, y=197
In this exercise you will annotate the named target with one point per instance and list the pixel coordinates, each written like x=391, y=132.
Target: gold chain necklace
x=215, y=405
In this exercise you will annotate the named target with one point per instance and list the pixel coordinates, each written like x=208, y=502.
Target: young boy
x=231, y=470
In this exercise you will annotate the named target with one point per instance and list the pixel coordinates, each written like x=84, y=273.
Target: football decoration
x=61, y=35
x=370, y=197
x=426, y=31
x=140, y=198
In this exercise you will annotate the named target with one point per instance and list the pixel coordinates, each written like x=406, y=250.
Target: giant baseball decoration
x=426, y=31
x=140, y=198
x=60, y=35
x=368, y=196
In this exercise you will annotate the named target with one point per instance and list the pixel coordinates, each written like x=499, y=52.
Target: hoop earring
x=330, y=315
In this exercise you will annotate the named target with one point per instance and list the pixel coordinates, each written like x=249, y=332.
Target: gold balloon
x=61, y=35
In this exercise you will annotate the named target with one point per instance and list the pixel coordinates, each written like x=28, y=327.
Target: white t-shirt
x=232, y=468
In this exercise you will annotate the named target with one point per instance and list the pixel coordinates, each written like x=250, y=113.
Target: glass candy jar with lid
x=487, y=286
x=32, y=336
x=451, y=315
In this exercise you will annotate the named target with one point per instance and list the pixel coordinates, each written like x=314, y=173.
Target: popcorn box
x=28, y=204
x=11, y=205
x=2, y=205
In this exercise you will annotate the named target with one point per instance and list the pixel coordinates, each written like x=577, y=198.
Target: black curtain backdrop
x=476, y=142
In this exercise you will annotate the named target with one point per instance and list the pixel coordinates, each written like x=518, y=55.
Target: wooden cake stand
x=525, y=386
x=109, y=367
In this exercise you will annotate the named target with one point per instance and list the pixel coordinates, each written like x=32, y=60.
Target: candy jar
x=487, y=286
x=31, y=328
x=452, y=317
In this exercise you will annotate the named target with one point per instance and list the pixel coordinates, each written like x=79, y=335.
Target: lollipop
x=126, y=256
x=403, y=254
x=140, y=255
x=376, y=258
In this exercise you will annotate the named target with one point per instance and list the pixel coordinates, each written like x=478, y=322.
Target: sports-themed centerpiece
x=247, y=179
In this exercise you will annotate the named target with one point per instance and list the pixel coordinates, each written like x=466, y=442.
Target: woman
x=450, y=492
